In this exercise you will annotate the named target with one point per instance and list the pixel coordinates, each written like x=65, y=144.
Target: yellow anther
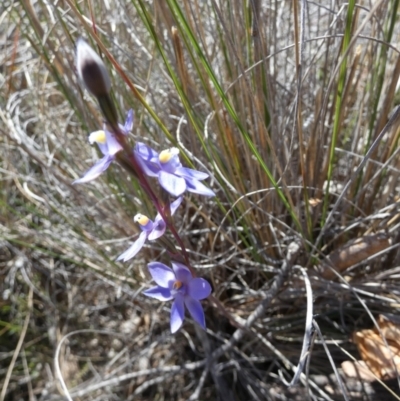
x=166, y=155
x=98, y=136
x=141, y=219
x=178, y=284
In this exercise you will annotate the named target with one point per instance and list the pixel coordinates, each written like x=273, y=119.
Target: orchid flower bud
x=91, y=69
x=93, y=73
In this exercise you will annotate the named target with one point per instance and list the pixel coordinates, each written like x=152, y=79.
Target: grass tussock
x=291, y=107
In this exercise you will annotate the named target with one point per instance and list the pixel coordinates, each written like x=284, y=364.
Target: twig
x=196, y=394
x=148, y=383
x=19, y=345
x=308, y=330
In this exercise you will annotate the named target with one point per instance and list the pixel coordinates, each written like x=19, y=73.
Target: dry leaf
x=355, y=251
x=314, y=202
x=390, y=328
x=383, y=360
x=357, y=370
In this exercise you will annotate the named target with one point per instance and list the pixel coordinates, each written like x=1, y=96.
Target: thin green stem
x=338, y=106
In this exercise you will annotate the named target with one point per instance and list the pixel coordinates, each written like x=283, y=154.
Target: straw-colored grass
x=291, y=109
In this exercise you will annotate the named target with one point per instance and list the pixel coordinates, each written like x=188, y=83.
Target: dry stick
x=19, y=345
x=308, y=330
x=293, y=252
x=148, y=383
x=307, y=367
x=196, y=394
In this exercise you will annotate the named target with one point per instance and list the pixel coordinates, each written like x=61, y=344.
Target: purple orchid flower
x=109, y=146
x=150, y=231
x=172, y=176
x=180, y=285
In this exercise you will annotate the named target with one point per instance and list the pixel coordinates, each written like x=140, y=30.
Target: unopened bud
x=91, y=69
x=93, y=73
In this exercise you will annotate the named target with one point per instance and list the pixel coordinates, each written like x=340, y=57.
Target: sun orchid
x=151, y=230
x=179, y=284
x=108, y=146
x=172, y=176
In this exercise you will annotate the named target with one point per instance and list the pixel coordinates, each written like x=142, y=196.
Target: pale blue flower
x=109, y=146
x=179, y=284
x=150, y=231
x=172, y=176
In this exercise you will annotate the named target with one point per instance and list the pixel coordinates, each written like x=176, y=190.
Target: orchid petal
x=162, y=274
x=160, y=293
x=149, y=169
x=159, y=224
x=177, y=313
x=175, y=204
x=196, y=311
x=171, y=183
x=147, y=159
x=190, y=173
x=182, y=273
x=129, y=122
x=112, y=144
x=147, y=153
x=198, y=188
x=158, y=229
x=199, y=288
x=100, y=166
x=135, y=248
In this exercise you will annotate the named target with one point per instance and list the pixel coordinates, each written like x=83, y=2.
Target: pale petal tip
x=91, y=69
